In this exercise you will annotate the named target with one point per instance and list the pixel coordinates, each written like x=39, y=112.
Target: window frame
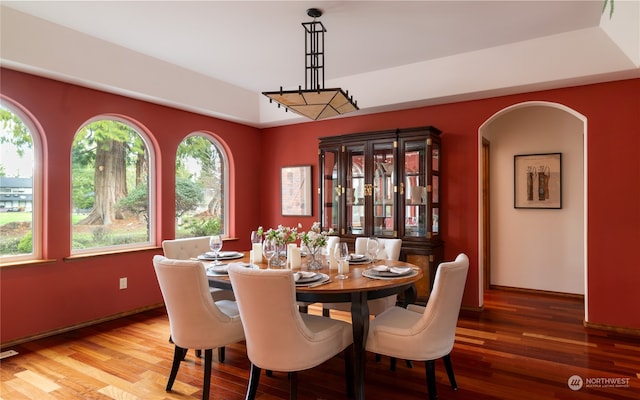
x=37, y=173
x=151, y=190
x=225, y=176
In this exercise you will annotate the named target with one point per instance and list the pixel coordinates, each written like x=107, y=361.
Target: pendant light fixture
x=314, y=101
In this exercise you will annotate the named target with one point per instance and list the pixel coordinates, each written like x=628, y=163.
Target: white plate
x=370, y=273
x=319, y=278
x=384, y=270
x=223, y=255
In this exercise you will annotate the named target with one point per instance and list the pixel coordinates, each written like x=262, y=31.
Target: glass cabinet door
x=330, y=189
x=354, y=189
x=415, y=187
x=435, y=187
x=384, y=189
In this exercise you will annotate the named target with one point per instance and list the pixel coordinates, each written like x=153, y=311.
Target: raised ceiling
x=216, y=57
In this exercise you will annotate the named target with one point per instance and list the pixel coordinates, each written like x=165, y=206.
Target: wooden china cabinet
x=386, y=184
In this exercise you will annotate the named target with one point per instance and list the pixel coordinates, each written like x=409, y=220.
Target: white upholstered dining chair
x=195, y=320
x=278, y=336
x=191, y=248
x=388, y=249
x=424, y=333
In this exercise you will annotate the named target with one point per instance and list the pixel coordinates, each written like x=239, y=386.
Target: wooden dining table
x=356, y=289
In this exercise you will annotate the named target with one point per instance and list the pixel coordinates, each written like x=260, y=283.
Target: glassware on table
x=256, y=237
x=256, y=247
x=215, y=244
x=341, y=253
x=269, y=249
x=372, y=248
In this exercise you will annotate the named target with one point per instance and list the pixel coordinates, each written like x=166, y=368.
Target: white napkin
x=400, y=270
x=303, y=274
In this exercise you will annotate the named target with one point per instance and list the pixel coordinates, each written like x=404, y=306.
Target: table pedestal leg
x=360, y=322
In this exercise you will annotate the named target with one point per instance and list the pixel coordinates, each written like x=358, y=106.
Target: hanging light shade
x=314, y=101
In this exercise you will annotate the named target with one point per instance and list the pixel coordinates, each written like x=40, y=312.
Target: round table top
x=356, y=281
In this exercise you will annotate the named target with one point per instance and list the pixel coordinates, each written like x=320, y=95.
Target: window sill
x=24, y=263
x=110, y=253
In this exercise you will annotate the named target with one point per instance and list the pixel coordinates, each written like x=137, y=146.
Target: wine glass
x=215, y=244
x=372, y=248
x=256, y=247
x=341, y=253
x=269, y=250
x=255, y=237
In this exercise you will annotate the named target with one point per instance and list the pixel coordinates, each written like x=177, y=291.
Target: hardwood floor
x=522, y=346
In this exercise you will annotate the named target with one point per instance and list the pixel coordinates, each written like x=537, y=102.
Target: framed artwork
x=295, y=190
x=537, y=180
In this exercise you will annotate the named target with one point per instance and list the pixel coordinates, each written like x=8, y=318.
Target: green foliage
x=9, y=246
x=100, y=234
x=137, y=201
x=83, y=188
x=604, y=7
x=25, y=246
x=15, y=131
x=204, y=226
x=188, y=195
x=99, y=134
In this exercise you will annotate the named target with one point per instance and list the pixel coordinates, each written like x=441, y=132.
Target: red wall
x=37, y=298
x=613, y=141
x=43, y=297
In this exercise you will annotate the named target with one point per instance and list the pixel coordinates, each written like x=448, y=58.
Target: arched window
x=112, y=193
x=201, y=187
x=20, y=185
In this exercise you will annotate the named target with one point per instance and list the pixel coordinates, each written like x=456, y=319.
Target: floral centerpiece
x=315, y=240
x=282, y=236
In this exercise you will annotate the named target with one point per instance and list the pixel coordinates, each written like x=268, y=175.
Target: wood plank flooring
x=522, y=346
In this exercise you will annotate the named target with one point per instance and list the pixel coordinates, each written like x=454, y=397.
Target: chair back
x=196, y=322
x=388, y=249
x=184, y=249
x=437, y=327
x=331, y=242
x=277, y=338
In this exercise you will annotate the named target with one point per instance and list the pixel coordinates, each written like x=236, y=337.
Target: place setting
x=223, y=269
x=223, y=255
x=310, y=278
x=358, y=259
x=387, y=272
x=216, y=254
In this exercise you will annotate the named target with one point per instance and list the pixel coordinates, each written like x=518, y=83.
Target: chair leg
x=449, y=367
x=178, y=356
x=430, y=368
x=408, y=363
x=348, y=368
x=293, y=385
x=221, y=354
x=392, y=364
x=199, y=353
x=208, y=358
x=378, y=357
x=254, y=379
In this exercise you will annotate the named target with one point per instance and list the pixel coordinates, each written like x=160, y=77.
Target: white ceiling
x=216, y=57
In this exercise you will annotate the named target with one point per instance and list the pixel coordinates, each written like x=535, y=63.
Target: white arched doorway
x=538, y=249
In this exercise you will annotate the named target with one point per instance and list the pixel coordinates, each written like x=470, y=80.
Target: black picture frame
x=537, y=180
